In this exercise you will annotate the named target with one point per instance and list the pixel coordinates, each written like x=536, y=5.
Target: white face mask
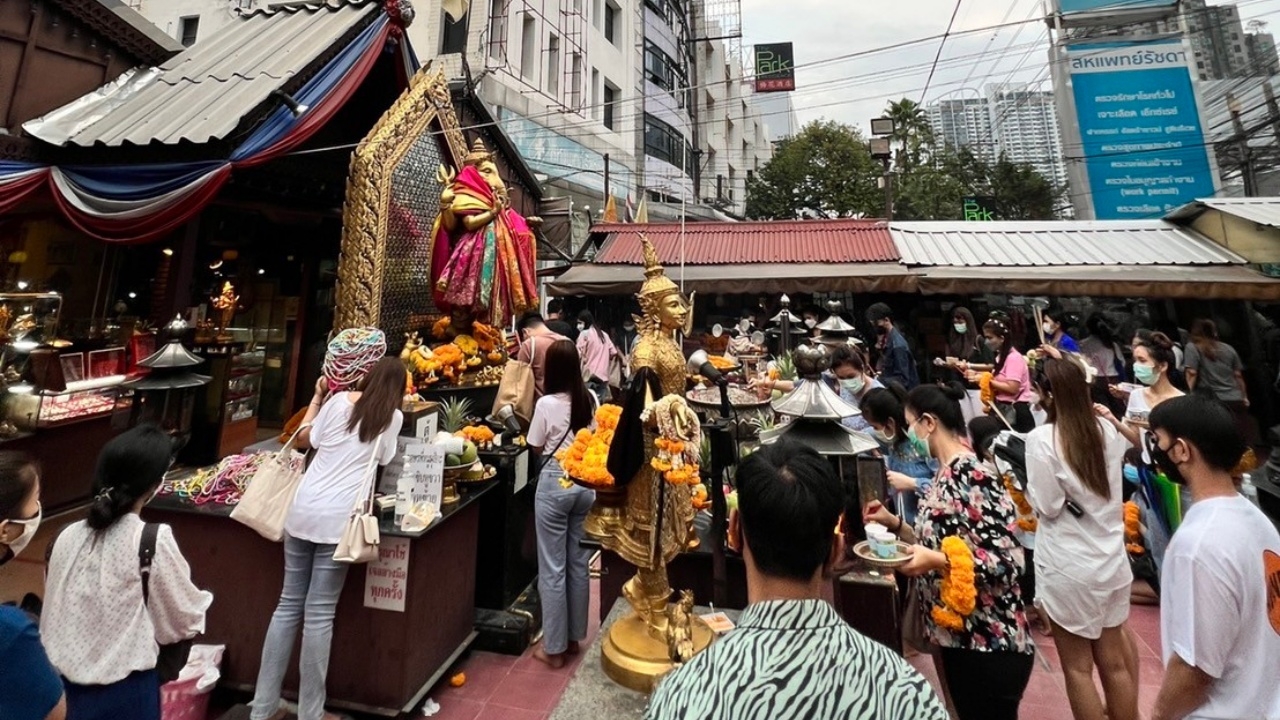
x=581, y=327
x=744, y=326
x=628, y=326
x=717, y=330
x=810, y=322
x=1048, y=328
x=29, y=527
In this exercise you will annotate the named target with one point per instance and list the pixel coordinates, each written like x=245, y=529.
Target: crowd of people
x=993, y=556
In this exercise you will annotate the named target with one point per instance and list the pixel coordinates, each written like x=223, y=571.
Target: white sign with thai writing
x=386, y=579
x=424, y=464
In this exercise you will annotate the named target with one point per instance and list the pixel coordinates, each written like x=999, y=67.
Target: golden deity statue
x=483, y=260
x=657, y=522
x=225, y=305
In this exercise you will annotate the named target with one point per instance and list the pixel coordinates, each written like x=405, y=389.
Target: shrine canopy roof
x=205, y=92
x=763, y=242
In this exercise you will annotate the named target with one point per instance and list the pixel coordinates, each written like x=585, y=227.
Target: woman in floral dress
x=968, y=561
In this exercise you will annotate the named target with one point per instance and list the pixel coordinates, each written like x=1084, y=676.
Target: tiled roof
x=1055, y=244
x=203, y=93
x=732, y=243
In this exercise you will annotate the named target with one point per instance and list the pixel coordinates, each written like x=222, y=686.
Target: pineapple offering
x=586, y=460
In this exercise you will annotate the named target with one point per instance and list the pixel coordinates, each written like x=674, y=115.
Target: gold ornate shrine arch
x=393, y=197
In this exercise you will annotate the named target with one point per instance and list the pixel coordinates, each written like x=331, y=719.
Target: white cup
x=884, y=545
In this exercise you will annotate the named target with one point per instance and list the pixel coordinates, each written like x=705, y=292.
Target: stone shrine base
x=591, y=695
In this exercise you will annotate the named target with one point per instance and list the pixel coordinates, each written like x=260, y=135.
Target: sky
x=856, y=89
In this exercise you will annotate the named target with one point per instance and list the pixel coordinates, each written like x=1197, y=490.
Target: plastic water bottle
x=1249, y=490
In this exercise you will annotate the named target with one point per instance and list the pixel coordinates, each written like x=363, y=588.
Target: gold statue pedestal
x=635, y=659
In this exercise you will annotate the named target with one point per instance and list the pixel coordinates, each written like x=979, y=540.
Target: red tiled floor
x=537, y=691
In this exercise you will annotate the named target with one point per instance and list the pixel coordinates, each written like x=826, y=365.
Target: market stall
x=401, y=621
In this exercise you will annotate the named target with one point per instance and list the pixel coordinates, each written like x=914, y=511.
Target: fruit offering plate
x=459, y=473
x=902, y=555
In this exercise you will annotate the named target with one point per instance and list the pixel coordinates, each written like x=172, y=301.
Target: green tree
x=1022, y=193
x=911, y=130
x=825, y=171
x=935, y=190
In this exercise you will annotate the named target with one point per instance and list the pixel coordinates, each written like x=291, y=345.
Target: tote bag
x=361, y=537
x=517, y=388
x=267, y=499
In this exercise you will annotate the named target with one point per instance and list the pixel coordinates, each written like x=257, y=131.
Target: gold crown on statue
x=656, y=283
x=479, y=153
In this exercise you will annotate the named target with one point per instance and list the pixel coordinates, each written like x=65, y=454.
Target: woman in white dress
x=1082, y=568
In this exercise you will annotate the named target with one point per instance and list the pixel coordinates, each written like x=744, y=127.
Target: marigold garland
x=1026, y=516
x=587, y=459
x=679, y=440
x=988, y=393
x=1133, y=528
x=958, y=593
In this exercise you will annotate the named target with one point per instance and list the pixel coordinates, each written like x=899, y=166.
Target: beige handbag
x=270, y=492
x=518, y=388
x=360, y=538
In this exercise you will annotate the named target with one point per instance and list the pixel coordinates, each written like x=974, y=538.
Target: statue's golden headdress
x=479, y=154
x=656, y=283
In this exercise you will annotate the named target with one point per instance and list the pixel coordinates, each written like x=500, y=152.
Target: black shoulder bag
x=172, y=657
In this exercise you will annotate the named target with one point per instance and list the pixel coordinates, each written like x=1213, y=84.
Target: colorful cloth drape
x=139, y=203
x=489, y=270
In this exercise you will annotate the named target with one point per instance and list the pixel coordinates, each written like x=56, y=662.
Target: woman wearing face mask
x=850, y=372
x=1081, y=565
x=30, y=688
x=101, y=632
x=965, y=347
x=985, y=648
x=910, y=469
x=1152, y=360
x=1011, y=379
x=1055, y=330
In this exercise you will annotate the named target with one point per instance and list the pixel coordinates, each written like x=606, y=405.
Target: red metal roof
x=733, y=243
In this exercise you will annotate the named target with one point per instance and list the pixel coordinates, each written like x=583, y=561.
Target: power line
x=941, y=44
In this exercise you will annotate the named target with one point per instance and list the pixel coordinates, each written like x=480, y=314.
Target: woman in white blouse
x=346, y=430
x=99, y=631
x=1082, y=567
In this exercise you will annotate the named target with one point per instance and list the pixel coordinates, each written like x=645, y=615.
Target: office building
x=1014, y=121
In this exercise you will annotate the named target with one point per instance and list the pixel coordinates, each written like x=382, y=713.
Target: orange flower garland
x=672, y=461
x=988, y=393
x=1026, y=516
x=1133, y=528
x=587, y=459
x=958, y=593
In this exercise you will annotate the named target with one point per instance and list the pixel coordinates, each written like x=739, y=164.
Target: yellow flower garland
x=959, y=595
x=1026, y=516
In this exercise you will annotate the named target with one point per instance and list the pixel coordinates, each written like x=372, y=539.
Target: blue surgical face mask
x=961, y=328
x=919, y=444
x=853, y=385
x=1146, y=374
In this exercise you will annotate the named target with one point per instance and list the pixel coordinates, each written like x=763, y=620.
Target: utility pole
x=1246, y=153
x=606, y=179
x=882, y=150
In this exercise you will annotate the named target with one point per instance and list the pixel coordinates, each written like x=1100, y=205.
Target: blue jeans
x=563, y=577
x=136, y=697
x=312, y=584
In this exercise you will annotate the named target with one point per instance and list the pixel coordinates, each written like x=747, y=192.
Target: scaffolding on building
x=722, y=21
x=560, y=28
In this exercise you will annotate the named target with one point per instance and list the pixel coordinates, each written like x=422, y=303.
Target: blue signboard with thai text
x=1140, y=128
x=1090, y=6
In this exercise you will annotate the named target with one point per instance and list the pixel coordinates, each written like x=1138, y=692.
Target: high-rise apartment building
x=589, y=91
x=1014, y=121
x=1217, y=38
x=1261, y=47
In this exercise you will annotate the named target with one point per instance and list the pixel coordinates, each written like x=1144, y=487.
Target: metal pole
x=888, y=192
x=606, y=179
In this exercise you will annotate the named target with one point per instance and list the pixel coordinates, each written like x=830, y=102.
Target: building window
x=498, y=29
x=661, y=70
x=188, y=28
x=663, y=142
x=575, y=82
x=612, y=22
x=553, y=66
x=453, y=35
x=610, y=104
x=529, y=49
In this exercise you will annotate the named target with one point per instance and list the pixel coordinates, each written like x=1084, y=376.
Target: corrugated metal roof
x=203, y=93
x=1055, y=243
x=732, y=243
x=1261, y=210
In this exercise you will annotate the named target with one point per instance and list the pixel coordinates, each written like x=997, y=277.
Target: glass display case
x=28, y=409
x=244, y=385
x=29, y=319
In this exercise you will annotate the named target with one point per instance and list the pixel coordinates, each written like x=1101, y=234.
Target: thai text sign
x=775, y=68
x=1076, y=6
x=386, y=579
x=1140, y=129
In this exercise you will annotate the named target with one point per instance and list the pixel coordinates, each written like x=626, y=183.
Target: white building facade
x=1014, y=121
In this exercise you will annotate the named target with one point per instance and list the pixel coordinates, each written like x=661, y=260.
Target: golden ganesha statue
x=656, y=524
x=482, y=251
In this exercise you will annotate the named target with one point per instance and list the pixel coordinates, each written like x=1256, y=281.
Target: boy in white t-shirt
x=1220, y=581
